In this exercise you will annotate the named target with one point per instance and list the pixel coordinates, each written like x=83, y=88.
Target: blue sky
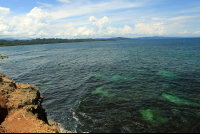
x=99, y=18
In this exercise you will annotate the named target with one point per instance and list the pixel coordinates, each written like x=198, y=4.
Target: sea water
x=114, y=86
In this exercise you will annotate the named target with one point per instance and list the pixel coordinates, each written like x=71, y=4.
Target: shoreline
x=42, y=43
x=21, y=110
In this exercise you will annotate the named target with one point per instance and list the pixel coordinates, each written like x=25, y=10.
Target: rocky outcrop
x=21, y=109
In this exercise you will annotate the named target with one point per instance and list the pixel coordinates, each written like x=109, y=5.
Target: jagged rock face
x=27, y=97
x=3, y=102
x=3, y=107
x=21, y=109
x=24, y=96
x=1, y=75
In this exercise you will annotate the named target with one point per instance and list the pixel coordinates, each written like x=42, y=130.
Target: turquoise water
x=114, y=86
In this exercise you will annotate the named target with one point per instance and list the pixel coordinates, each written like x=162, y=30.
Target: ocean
x=114, y=86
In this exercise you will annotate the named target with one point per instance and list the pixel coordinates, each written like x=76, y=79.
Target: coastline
x=48, y=41
x=21, y=109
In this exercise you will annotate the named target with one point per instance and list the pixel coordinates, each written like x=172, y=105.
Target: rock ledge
x=21, y=110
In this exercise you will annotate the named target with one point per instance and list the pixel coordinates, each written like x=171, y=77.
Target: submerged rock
x=154, y=115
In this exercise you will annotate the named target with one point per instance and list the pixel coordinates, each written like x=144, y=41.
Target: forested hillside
x=45, y=41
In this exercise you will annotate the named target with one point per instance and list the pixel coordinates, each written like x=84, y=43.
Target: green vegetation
x=46, y=41
x=3, y=57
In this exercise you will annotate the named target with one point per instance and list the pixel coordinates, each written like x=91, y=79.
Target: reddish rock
x=21, y=110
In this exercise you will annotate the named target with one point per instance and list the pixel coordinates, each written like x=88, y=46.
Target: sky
x=22, y=19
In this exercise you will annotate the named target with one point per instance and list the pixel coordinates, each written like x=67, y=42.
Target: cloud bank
x=38, y=23
x=4, y=11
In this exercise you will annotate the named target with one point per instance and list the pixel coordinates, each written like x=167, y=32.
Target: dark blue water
x=114, y=86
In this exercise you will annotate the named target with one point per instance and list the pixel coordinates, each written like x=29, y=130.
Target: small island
x=3, y=57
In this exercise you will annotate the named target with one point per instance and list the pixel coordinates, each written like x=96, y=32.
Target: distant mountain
x=113, y=38
x=12, y=39
x=144, y=38
x=9, y=39
x=120, y=38
x=157, y=37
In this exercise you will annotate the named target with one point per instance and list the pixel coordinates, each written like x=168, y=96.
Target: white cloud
x=44, y=4
x=181, y=18
x=157, y=18
x=192, y=10
x=4, y=26
x=126, y=30
x=112, y=31
x=39, y=15
x=197, y=32
x=91, y=7
x=64, y=1
x=99, y=25
x=35, y=20
x=81, y=30
x=150, y=29
x=98, y=29
x=70, y=31
x=69, y=28
x=4, y=11
x=34, y=24
x=183, y=32
x=39, y=23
